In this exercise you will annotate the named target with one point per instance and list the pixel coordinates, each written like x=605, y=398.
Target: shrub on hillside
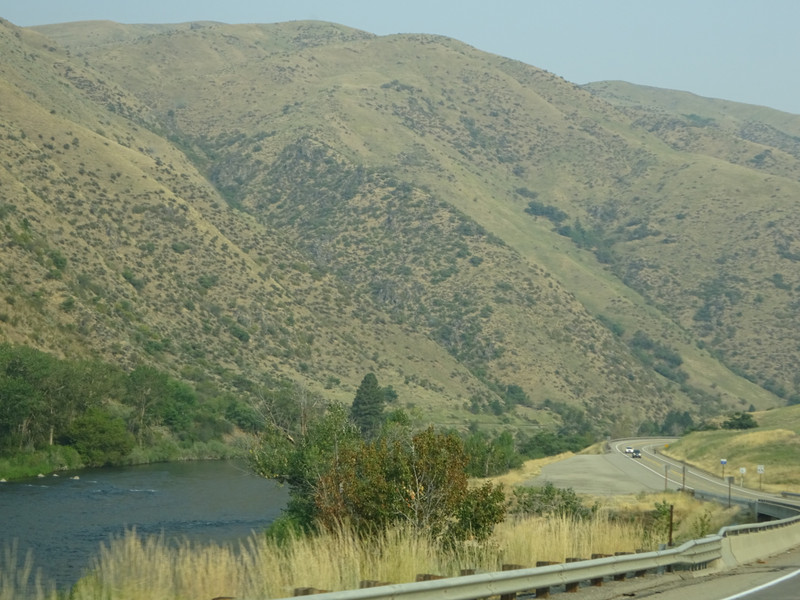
x=740, y=420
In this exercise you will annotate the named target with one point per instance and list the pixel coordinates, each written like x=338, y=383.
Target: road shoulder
x=707, y=584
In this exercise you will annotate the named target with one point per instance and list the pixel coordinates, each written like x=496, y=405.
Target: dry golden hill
x=315, y=202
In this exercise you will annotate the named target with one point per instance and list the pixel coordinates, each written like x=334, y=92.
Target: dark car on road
x=636, y=454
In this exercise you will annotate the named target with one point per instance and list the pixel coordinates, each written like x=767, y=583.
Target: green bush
x=740, y=420
x=129, y=276
x=550, y=500
x=99, y=438
x=29, y=464
x=335, y=477
x=552, y=213
x=239, y=332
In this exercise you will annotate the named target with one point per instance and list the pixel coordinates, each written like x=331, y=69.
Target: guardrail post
x=621, y=576
x=429, y=577
x=598, y=581
x=544, y=592
x=572, y=588
x=510, y=567
x=371, y=583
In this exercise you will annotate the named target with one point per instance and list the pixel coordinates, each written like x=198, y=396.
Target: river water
x=63, y=520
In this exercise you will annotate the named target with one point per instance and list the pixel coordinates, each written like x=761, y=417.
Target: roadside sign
x=723, y=461
x=760, y=469
x=742, y=470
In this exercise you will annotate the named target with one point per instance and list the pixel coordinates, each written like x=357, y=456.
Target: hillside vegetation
x=774, y=444
x=246, y=204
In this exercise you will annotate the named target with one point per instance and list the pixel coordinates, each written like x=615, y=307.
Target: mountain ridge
x=303, y=182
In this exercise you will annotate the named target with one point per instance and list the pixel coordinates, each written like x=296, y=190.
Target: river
x=63, y=520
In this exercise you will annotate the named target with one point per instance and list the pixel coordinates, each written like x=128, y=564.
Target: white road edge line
x=763, y=586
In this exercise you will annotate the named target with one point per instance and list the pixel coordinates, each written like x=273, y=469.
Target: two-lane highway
x=676, y=475
x=616, y=472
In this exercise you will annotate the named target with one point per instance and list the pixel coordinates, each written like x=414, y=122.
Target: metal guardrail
x=721, y=498
x=745, y=528
x=692, y=555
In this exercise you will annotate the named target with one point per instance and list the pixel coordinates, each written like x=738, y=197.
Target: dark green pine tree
x=367, y=410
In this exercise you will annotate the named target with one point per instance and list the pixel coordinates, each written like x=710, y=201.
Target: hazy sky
x=742, y=50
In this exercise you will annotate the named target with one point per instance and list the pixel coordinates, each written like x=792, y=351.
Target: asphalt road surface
x=774, y=578
x=615, y=472
x=607, y=474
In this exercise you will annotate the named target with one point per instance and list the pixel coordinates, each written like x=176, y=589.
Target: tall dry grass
x=692, y=518
x=19, y=580
x=135, y=567
x=555, y=539
x=132, y=567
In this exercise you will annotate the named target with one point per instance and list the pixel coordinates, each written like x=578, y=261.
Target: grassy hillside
x=309, y=201
x=115, y=244
x=774, y=444
x=731, y=224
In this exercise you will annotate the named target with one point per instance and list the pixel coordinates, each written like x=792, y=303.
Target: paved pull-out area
x=599, y=474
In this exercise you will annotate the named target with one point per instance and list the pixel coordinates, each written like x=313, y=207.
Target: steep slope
x=732, y=223
x=315, y=201
x=115, y=246
x=477, y=327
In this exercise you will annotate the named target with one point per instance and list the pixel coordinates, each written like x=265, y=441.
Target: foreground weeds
x=135, y=567
x=18, y=579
